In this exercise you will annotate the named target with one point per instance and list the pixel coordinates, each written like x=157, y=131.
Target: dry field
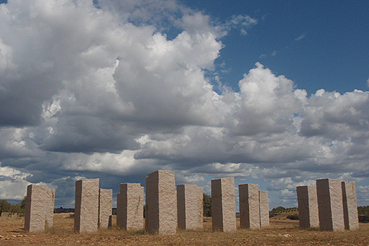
x=280, y=232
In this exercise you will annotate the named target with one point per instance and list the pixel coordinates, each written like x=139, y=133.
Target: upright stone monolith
x=190, y=207
x=161, y=202
x=307, y=201
x=330, y=205
x=349, y=205
x=131, y=206
x=105, y=207
x=264, y=208
x=249, y=206
x=86, y=214
x=39, y=208
x=223, y=204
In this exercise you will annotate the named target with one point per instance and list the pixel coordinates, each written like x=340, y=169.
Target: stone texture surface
x=105, y=207
x=190, y=207
x=49, y=209
x=86, y=213
x=249, y=206
x=223, y=204
x=307, y=201
x=131, y=206
x=119, y=210
x=35, y=208
x=264, y=208
x=330, y=205
x=350, y=205
x=161, y=202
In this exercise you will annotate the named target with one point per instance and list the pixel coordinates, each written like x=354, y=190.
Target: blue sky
x=268, y=92
x=317, y=44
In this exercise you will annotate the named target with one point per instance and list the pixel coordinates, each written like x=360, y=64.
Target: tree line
x=15, y=208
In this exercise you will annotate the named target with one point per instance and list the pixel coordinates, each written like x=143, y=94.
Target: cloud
x=302, y=36
x=115, y=91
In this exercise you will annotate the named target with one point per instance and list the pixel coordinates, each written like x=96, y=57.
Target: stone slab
x=49, y=209
x=350, y=205
x=86, y=215
x=264, y=208
x=131, y=206
x=161, y=203
x=223, y=204
x=330, y=204
x=307, y=201
x=249, y=206
x=105, y=207
x=35, y=208
x=190, y=207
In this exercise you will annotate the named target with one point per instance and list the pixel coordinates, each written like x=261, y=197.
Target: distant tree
x=207, y=205
x=4, y=206
x=23, y=203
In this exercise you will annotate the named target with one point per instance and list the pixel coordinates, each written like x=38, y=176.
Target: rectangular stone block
x=161, y=202
x=49, y=210
x=307, y=201
x=223, y=204
x=249, y=206
x=350, y=205
x=36, y=208
x=190, y=207
x=330, y=204
x=105, y=207
x=119, y=211
x=131, y=206
x=264, y=208
x=86, y=214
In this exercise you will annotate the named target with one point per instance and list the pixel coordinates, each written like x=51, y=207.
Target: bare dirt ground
x=280, y=232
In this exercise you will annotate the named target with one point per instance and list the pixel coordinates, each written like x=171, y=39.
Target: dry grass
x=280, y=232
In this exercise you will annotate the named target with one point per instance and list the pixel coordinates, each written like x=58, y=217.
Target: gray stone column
x=307, y=201
x=330, y=204
x=249, y=206
x=131, y=206
x=223, y=204
x=264, y=208
x=161, y=202
x=349, y=205
x=190, y=207
x=35, y=208
x=86, y=214
x=105, y=207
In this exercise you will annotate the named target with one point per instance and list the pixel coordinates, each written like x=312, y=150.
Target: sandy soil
x=280, y=232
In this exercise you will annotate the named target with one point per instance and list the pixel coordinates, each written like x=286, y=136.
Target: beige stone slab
x=249, y=206
x=350, y=205
x=36, y=208
x=105, y=207
x=307, y=201
x=49, y=209
x=264, y=208
x=190, y=207
x=161, y=202
x=330, y=204
x=223, y=204
x=86, y=215
x=131, y=206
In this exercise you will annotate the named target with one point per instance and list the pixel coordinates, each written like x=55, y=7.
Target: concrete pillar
x=223, y=204
x=131, y=206
x=86, y=214
x=350, y=205
x=264, y=208
x=190, y=207
x=105, y=207
x=36, y=208
x=307, y=201
x=330, y=204
x=161, y=202
x=249, y=206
